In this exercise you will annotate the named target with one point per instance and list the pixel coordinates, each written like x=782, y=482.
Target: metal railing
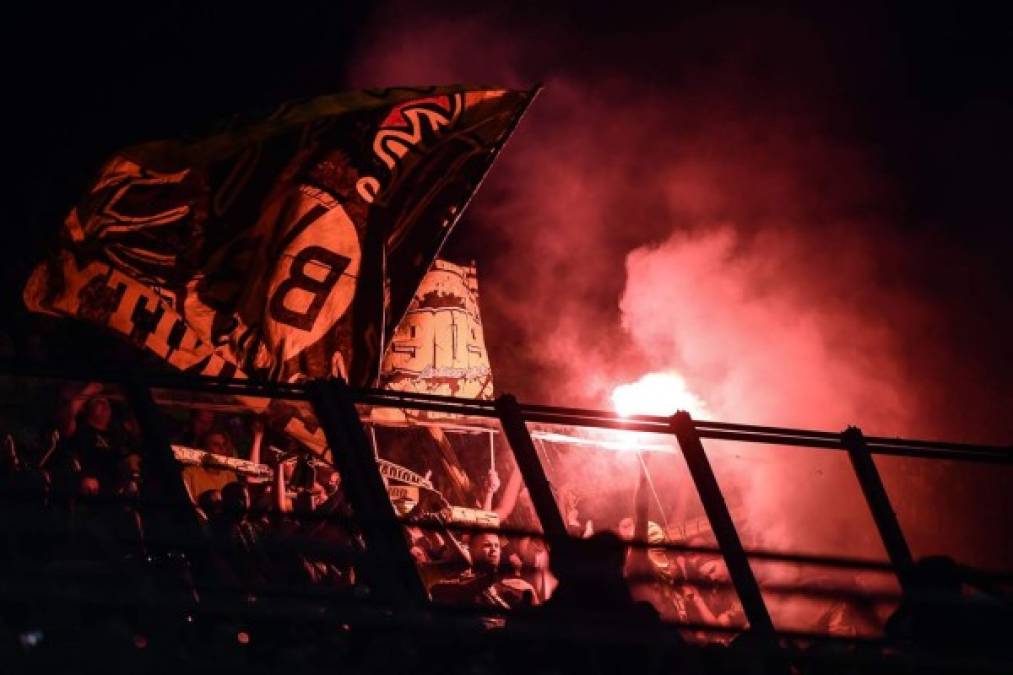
x=334, y=405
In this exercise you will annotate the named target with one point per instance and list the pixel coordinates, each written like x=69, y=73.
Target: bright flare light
x=660, y=394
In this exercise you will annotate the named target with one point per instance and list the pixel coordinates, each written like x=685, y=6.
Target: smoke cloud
x=695, y=196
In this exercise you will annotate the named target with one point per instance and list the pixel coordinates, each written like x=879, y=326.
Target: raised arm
x=489, y=487
x=278, y=487
x=708, y=616
x=257, y=426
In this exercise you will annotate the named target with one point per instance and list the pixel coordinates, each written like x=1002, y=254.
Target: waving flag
x=285, y=247
x=439, y=346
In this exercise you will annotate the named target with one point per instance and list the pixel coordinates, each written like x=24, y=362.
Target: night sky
x=863, y=150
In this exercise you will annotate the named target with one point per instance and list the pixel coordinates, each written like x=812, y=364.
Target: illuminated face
x=89, y=486
x=99, y=413
x=333, y=483
x=627, y=528
x=485, y=551
x=713, y=570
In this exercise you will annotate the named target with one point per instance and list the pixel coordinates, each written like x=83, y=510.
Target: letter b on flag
x=314, y=273
x=315, y=279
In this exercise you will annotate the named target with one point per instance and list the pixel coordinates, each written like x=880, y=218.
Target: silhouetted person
x=938, y=615
x=210, y=504
x=96, y=443
x=590, y=574
x=592, y=624
x=238, y=539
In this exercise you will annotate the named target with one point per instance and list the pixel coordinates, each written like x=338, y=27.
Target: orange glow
x=657, y=394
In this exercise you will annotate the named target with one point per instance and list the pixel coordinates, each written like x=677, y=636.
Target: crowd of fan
x=263, y=571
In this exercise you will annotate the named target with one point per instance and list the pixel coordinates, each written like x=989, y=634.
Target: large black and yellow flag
x=284, y=247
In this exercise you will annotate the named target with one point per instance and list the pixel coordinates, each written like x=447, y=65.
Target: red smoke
x=742, y=319
x=695, y=199
x=744, y=232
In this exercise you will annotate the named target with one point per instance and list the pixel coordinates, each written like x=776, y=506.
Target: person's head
x=598, y=560
x=88, y=486
x=98, y=413
x=218, y=443
x=210, y=502
x=626, y=528
x=485, y=550
x=235, y=499
x=933, y=575
x=201, y=422
x=332, y=482
x=712, y=568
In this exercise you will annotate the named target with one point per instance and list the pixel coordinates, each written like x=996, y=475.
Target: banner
x=285, y=247
x=439, y=346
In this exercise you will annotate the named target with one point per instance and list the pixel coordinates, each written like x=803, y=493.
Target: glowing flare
x=657, y=394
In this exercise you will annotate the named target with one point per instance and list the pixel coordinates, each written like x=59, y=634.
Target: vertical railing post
x=724, y=529
x=390, y=566
x=531, y=469
x=879, y=504
x=168, y=515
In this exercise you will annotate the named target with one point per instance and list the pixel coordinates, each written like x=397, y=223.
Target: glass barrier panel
x=468, y=519
x=602, y=479
x=956, y=509
x=807, y=501
x=260, y=478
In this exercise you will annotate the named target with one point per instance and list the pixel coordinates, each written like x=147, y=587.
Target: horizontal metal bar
x=989, y=455
x=939, y=445
x=366, y=392
x=748, y=433
x=596, y=423
x=427, y=406
x=532, y=413
x=702, y=425
x=224, y=389
x=771, y=439
x=954, y=455
x=976, y=453
x=534, y=408
x=603, y=419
